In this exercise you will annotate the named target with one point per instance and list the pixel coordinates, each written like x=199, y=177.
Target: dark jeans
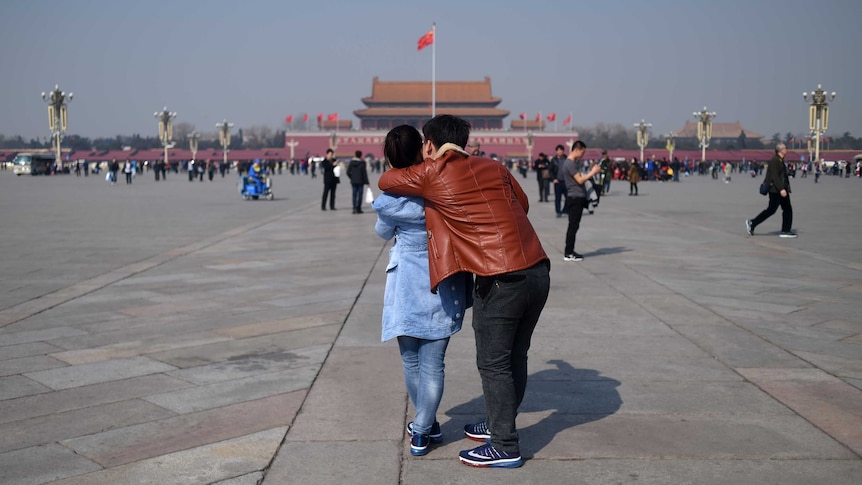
x=575, y=209
x=544, y=189
x=559, y=196
x=128, y=177
x=633, y=188
x=328, y=189
x=357, y=196
x=776, y=200
x=505, y=312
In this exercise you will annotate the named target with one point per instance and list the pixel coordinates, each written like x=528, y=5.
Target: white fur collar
x=450, y=146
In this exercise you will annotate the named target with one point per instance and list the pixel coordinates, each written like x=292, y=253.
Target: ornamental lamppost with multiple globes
x=166, y=129
x=57, y=118
x=818, y=115
x=670, y=145
x=193, y=143
x=224, y=138
x=704, y=129
x=643, y=136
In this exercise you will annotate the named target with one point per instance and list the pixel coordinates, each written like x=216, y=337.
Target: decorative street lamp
x=292, y=144
x=643, y=136
x=528, y=143
x=166, y=129
x=704, y=129
x=224, y=138
x=193, y=143
x=57, y=118
x=818, y=115
x=670, y=145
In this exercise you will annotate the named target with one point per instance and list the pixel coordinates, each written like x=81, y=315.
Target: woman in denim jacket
x=421, y=320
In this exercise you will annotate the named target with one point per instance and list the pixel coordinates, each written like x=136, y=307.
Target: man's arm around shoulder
x=404, y=181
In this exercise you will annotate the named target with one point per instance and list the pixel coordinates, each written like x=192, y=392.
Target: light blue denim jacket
x=409, y=307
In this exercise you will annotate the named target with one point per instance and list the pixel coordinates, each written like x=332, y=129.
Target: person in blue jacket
x=421, y=320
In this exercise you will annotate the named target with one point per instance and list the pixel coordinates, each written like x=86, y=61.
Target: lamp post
x=224, y=138
x=670, y=145
x=166, y=129
x=292, y=144
x=818, y=115
x=57, y=118
x=193, y=144
x=704, y=129
x=643, y=136
x=528, y=142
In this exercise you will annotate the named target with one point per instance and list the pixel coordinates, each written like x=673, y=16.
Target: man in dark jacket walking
x=358, y=174
x=779, y=195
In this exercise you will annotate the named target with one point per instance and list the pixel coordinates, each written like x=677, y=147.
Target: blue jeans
x=423, y=374
x=357, y=196
x=506, y=309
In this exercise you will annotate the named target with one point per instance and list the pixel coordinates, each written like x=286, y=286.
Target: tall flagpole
x=434, y=69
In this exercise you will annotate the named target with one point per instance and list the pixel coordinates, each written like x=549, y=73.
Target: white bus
x=33, y=163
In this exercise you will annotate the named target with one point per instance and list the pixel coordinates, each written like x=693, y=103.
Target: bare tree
x=182, y=130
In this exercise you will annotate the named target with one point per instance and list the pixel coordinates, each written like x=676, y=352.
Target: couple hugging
x=462, y=239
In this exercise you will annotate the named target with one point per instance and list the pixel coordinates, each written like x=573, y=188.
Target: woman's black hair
x=403, y=146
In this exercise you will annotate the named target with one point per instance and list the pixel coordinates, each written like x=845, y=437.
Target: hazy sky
x=254, y=62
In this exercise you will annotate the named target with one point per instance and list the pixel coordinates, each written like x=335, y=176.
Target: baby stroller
x=255, y=187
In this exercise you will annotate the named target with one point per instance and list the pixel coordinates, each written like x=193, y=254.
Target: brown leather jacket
x=475, y=213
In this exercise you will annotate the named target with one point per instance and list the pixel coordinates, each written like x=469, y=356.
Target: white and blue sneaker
x=420, y=444
x=486, y=456
x=478, y=431
x=435, y=435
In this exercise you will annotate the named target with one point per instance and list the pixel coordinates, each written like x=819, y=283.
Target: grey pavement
x=172, y=333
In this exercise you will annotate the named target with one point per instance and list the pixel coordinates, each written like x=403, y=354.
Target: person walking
x=476, y=217
x=357, y=172
x=127, y=170
x=555, y=165
x=115, y=169
x=543, y=176
x=576, y=198
x=605, y=171
x=635, y=177
x=421, y=321
x=330, y=181
x=779, y=195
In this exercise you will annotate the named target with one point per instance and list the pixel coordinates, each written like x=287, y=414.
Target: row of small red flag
x=551, y=117
x=329, y=117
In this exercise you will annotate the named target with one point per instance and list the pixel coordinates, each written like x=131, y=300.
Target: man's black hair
x=560, y=147
x=358, y=153
x=579, y=145
x=444, y=129
x=329, y=150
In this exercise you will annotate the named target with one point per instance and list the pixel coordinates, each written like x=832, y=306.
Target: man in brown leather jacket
x=476, y=217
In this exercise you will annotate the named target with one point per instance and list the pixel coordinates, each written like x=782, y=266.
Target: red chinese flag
x=289, y=119
x=567, y=120
x=319, y=117
x=425, y=40
x=552, y=117
x=305, y=117
x=523, y=116
x=332, y=117
x=539, y=117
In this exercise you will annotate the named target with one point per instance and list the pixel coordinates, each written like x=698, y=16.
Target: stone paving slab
x=641, y=472
x=26, y=350
x=29, y=364
x=50, y=403
x=829, y=403
x=109, y=370
x=235, y=391
x=147, y=440
x=366, y=461
x=12, y=387
x=247, y=365
x=28, y=466
x=136, y=348
x=47, y=429
x=197, y=466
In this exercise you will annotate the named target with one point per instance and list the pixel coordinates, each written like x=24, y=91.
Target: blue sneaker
x=478, y=431
x=486, y=456
x=420, y=444
x=436, y=435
